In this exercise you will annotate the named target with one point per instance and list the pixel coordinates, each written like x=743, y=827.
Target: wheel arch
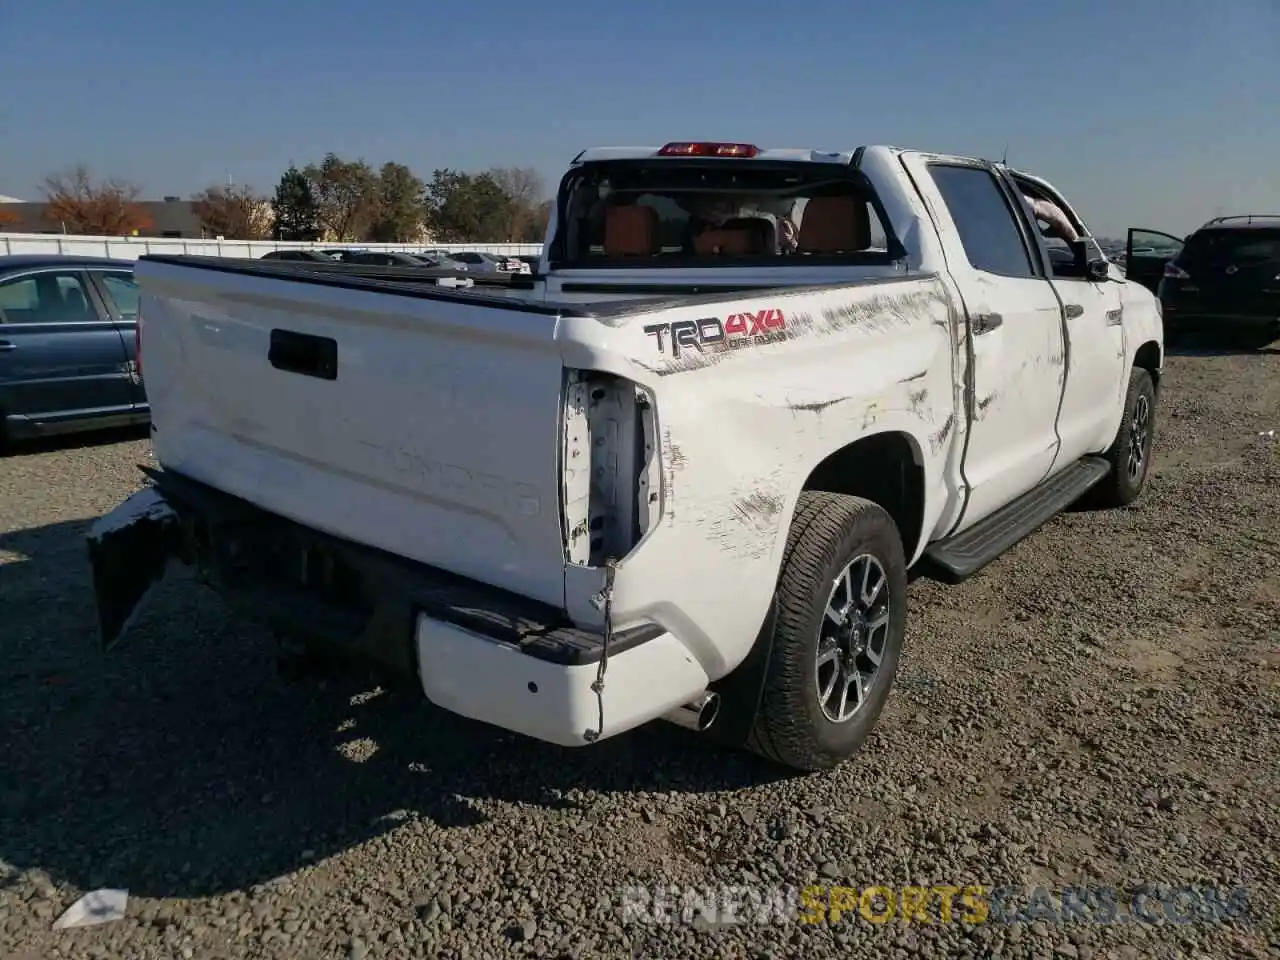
x=897, y=482
x=1150, y=357
x=887, y=468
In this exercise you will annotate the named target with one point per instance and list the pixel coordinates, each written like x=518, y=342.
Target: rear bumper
x=475, y=650
x=486, y=680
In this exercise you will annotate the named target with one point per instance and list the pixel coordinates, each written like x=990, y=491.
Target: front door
x=61, y=358
x=1094, y=374
x=1015, y=331
x=1145, y=254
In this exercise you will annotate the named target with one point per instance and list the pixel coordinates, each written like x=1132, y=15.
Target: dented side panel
x=746, y=407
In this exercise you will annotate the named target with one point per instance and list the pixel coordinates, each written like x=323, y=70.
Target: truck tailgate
x=406, y=421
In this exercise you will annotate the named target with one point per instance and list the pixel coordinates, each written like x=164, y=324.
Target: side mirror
x=1098, y=270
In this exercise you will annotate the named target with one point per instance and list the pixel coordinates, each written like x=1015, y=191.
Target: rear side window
x=666, y=213
x=985, y=221
x=1248, y=247
x=122, y=292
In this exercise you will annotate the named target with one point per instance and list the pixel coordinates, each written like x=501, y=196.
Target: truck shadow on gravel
x=180, y=765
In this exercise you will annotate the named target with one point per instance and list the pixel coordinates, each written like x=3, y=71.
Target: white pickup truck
x=683, y=474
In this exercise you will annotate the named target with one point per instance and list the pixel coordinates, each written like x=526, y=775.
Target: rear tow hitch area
x=129, y=552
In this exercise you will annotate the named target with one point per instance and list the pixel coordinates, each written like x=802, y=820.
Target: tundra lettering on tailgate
x=713, y=335
x=483, y=491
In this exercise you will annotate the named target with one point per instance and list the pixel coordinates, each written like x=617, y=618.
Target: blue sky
x=1153, y=112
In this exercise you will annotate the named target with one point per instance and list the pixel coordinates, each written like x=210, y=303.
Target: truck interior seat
x=631, y=231
x=738, y=236
x=838, y=224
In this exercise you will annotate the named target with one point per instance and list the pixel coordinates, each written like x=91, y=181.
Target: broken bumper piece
x=129, y=551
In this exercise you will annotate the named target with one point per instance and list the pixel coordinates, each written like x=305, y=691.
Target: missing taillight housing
x=610, y=459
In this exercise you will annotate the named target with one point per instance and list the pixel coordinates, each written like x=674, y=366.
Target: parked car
x=441, y=261
x=630, y=495
x=382, y=258
x=68, y=353
x=1223, y=280
x=480, y=262
x=305, y=256
x=396, y=258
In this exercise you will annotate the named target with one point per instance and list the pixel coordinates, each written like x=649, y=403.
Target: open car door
x=1145, y=254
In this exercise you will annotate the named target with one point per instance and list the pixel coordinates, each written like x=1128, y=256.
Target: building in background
x=170, y=217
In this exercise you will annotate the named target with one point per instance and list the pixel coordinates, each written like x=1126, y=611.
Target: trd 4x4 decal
x=713, y=335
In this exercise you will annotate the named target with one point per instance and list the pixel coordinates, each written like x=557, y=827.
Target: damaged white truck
x=680, y=472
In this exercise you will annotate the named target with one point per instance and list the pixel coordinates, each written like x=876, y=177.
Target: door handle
x=8, y=345
x=985, y=323
x=1074, y=310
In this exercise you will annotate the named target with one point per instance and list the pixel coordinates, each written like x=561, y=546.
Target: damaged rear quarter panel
x=742, y=428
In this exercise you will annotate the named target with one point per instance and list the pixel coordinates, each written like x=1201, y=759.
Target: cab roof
x=787, y=154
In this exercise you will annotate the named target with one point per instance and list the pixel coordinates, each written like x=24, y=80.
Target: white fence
x=131, y=248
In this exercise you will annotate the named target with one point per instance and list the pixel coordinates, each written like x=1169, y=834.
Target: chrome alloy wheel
x=1139, y=438
x=852, y=638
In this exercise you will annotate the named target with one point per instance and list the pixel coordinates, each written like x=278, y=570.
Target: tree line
x=336, y=200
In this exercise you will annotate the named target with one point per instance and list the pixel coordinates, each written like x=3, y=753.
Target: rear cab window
x=690, y=213
x=1224, y=247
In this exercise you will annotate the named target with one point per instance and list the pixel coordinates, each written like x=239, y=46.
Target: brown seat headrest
x=834, y=225
x=630, y=231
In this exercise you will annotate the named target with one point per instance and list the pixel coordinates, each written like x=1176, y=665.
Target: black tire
x=829, y=531
x=1121, y=486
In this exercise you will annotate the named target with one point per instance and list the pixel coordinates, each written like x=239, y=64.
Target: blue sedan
x=68, y=348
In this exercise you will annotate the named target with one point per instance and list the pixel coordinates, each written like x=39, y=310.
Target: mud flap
x=742, y=690
x=129, y=551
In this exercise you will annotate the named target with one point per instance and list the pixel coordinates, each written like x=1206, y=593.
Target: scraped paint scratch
x=940, y=437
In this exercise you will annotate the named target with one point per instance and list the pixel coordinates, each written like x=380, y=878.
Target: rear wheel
x=1130, y=453
x=841, y=618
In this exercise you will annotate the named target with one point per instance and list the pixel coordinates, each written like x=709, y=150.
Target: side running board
x=959, y=557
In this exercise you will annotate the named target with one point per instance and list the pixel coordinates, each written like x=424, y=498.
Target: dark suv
x=1225, y=280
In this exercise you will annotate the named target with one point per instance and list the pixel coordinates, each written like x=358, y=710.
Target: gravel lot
x=1100, y=707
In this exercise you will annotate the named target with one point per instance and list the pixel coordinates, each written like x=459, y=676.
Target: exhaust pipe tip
x=698, y=714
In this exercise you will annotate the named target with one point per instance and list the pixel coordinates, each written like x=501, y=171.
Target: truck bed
x=377, y=407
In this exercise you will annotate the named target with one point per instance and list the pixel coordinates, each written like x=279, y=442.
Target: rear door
x=1015, y=330
x=119, y=292
x=1145, y=254
x=61, y=356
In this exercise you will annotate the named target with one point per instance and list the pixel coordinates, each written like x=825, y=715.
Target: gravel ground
x=1100, y=707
